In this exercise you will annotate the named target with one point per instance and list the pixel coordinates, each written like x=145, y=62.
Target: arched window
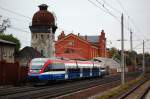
x=69, y=51
x=47, y=35
x=36, y=35
x=42, y=52
x=71, y=43
x=41, y=36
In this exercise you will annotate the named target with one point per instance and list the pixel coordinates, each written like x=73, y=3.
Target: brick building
x=80, y=47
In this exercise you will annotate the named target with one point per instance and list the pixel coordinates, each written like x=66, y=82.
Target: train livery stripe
x=54, y=72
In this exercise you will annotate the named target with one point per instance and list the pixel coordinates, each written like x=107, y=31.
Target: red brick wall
x=81, y=47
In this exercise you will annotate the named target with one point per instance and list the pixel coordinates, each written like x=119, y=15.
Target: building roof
x=6, y=42
x=108, y=62
x=28, y=52
x=92, y=39
x=75, y=36
x=43, y=17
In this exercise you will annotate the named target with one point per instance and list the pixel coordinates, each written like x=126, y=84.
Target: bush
x=11, y=38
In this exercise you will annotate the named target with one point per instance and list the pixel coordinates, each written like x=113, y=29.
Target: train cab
x=44, y=69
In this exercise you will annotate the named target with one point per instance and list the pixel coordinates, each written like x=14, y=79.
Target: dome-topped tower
x=43, y=30
x=43, y=17
x=42, y=20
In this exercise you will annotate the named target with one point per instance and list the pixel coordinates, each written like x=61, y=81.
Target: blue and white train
x=47, y=69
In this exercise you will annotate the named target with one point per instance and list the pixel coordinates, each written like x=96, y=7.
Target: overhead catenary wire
x=106, y=3
x=96, y=5
x=128, y=19
x=140, y=44
x=16, y=13
x=21, y=15
x=108, y=11
x=19, y=29
x=131, y=20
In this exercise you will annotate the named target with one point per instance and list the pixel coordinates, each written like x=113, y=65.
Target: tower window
x=48, y=36
x=41, y=36
x=36, y=35
x=42, y=52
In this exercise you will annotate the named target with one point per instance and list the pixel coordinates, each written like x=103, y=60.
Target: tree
x=115, y=54
x=147, y=59
x=4, y=24
x=139, y=59
x=130, y=58
x=112, y=52
x=11, y=38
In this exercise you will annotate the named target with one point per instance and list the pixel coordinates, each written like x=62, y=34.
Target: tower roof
x=43, y=17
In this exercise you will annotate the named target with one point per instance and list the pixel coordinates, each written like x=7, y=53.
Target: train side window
x=58, y=66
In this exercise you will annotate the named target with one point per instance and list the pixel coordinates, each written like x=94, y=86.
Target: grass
x=120, y=89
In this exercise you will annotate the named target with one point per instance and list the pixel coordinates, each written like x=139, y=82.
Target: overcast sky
x=81, y=16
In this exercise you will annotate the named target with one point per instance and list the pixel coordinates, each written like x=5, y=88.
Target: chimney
x=43, y=7
x=78, y=34
x=102, y=33
x=62, y=35
x=85, y=37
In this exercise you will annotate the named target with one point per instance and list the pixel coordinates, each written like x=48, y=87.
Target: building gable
x=74, y=36
x=86, y=46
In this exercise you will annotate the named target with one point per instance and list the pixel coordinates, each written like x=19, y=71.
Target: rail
x=144, y=93
x=134, y=89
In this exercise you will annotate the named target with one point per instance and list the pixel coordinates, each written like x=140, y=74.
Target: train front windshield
x=39, y=66
x=36, y=66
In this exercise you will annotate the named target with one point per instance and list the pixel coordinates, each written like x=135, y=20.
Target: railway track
x=29, y=92
x=133, y=92
x=75, y=90
x=143, y=96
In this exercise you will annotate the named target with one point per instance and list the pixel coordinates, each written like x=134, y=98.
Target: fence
x=12, y=73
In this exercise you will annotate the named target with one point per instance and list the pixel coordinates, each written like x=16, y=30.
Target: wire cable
x=16, y=13
x=18, y=29
x=108, y=11
x=118, y=11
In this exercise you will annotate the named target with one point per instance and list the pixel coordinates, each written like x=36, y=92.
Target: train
x=54, y=69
